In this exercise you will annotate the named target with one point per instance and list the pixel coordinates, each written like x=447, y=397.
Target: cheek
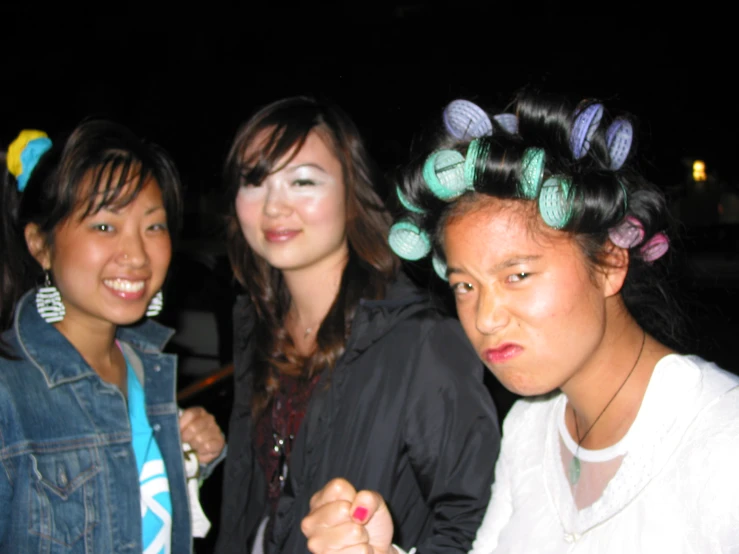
x=248, y=206
x=466, y=312
x=319, y=205
x=78, y=256
x=543, y=305
x=161, y=253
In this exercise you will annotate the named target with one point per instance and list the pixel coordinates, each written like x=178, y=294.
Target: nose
x=276, y=202
x=132, y=250
x=491, y=313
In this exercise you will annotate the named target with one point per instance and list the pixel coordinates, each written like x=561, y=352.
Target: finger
x=336, y=489
x=369, y=509
x=338, y=538
x=329, y=514
x=354, y=549
x=201, y=424
x=208, y=451
x=208, y=442
x=200, y=430
x=188, y=415
x=365, y=505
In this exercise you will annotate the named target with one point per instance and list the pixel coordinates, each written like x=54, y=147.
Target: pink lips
x=128, y=295
x=505, y=352
x=280, y=235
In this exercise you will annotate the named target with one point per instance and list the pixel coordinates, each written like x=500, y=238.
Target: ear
x=614, y=269
x=38, y=245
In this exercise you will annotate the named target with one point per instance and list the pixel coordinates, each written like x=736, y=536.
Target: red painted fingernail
x=360, y=513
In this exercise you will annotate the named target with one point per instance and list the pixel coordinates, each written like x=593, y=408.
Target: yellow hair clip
x=24, y=153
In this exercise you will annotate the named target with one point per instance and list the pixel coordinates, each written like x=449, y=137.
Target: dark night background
x=186, y=77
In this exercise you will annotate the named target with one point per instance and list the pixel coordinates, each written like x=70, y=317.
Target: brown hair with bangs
x=277, y=131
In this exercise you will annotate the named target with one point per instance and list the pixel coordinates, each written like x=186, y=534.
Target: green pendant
x=574, y=473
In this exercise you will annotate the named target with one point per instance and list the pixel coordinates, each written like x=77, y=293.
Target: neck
x=313, y=290
x=618, y=360
x=96, y=344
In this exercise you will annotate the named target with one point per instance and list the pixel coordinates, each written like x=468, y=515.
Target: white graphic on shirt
x=153, y=481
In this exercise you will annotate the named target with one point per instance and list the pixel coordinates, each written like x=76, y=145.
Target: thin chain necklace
x=306, y=330
x=574, y=469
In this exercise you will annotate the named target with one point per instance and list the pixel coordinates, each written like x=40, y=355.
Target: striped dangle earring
x=49, y=301
x=155, y=306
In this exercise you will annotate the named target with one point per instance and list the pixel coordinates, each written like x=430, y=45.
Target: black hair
x=602, y=197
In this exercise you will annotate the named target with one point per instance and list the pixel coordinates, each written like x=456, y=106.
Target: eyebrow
x=510, y=262
x=315, y=166
x=118, y=210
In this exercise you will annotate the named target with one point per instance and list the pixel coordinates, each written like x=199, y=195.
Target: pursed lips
x=501, y=353
x=279, y=235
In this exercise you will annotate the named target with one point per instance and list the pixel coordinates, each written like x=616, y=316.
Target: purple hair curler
x=655, y=248
x=628, y=233
x=619, y=136
x=508, y=121
x=466, y=120
x=584, y=128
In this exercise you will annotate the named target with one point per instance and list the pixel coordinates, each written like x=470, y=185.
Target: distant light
x=699, y=170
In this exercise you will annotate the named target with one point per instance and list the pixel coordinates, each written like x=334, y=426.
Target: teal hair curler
x=408, y=241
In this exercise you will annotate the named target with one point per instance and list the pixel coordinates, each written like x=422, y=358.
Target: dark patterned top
x=276, y=429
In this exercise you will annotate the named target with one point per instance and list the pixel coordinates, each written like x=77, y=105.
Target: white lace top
x=670, y=485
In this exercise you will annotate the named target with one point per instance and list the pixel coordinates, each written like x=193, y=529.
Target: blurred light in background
x=699, y=171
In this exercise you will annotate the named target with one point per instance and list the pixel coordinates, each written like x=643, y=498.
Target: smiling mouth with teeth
x=124, y=285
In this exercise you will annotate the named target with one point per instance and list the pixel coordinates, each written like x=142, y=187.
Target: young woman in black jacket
x=337, y=352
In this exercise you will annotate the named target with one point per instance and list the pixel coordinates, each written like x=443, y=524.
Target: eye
x=159, y=227
x=461, y=288
x=246, y=183
x=103, y=227
x=518, y=277
x=246, y=179
x=304, y=182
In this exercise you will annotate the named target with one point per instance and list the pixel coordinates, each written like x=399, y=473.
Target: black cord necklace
x=574, y=469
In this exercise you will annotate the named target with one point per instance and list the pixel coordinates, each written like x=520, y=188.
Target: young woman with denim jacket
x=91, y=439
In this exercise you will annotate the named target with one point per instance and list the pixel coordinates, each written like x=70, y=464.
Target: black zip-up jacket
x=405, y=413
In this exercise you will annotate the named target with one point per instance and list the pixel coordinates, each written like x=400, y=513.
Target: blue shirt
x=156, y=503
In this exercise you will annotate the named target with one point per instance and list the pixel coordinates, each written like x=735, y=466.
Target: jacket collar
x=373, y=320
x=54, y=355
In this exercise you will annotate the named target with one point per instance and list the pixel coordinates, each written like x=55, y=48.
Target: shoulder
x=437, y=346
x=147, y=336
x=700, y=387
x=715, y=413
x=14, y=369
x=705, y=466
x=705, y=401
x=694, y=367
x=528, y=417
x=244, y=318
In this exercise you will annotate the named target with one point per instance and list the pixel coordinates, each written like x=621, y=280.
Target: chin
x=127, y=319
x=522, y=385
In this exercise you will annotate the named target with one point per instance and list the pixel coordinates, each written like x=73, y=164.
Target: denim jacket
x=69, y=481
